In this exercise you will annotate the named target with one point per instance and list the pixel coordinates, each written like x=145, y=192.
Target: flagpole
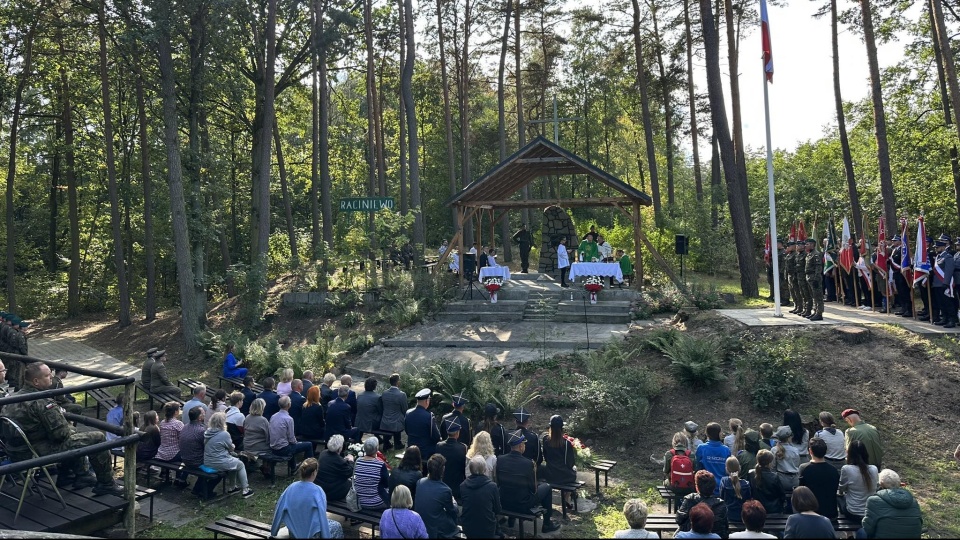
x=773, y=205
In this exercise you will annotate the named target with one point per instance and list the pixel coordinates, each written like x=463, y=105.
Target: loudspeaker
x=682, y=244
x=469, y=264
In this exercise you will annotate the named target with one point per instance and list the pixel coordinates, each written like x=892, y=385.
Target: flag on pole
x=828, y=263
x=801, y=232
x=921, y=263
x=905, y=259
x=766, y=249
x=831, y=236
x=846, y=247
x=793, y=233
x=865, y=272
x=765, y=38
x=882, y=252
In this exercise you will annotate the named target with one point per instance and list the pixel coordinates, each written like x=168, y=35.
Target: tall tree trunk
x=447, y=115
x=518, y=79
x=262, y=140
x=316, y=236
x=373, y=106
x=406, y=85
x=733, y=58
x=73, y=206
x=54, y=197
x=715, y=182
x=501, y=119
x=946, y=95
x=691, y=91
x=879, y=120
x=404, y=204
x=178, y=206
x=464, y=96
x=196, y=161
x=842, y=126
x=739, y=209
x=641, y=81
x=667, y=105
x=285, y=193
x=122, y=290
x=326, y=183
x=150, y=304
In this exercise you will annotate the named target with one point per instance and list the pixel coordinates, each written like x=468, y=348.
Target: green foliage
x=358, y=343
x=696, y=361
x=614, y=405
x=342, y=302
x=770, y=371
x=662, y=299
x=352, y=319
x=705, y=296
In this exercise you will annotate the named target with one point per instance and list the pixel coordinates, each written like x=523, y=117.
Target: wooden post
x=460, y=213
x=129, y=463
x=637, y=253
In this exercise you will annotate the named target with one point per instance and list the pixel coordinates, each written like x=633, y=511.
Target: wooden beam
x=541, y=203
x=626, y=213
x=529, y=161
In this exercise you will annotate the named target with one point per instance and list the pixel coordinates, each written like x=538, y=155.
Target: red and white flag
x=765, y=38
x=846, y=247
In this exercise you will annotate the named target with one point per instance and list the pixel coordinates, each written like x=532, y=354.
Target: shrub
x=617, y=404
x=665, y=299
x=357, y=343
x=696, y=361
x=352, y=319
x=705, y=297
x=770, y=371
x=403, y=314
x=341, y=302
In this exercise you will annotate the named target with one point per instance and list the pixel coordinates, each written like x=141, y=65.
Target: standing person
x=231, y=366
x=822, y=479
x=713, y=455
x=421, y=426
x=307, y=380
x=327, y=393
x=147, y=365
x=481, y=501
x=159, y=382
x=893, y=512
x=626, y=267
x=800, y=271
x=50, y=433
x=833, y=437
x=790, y=270
x=563, y=261
x=434, y=501
x=454, y=453
x=394, y=407
x=858, y=481
x=369, y=411
x=303, y=508
x=399, y=521
x=605, y=249
x=902, y=291
x=351, y=399
x=706, y=487
x=588, y=250
x=942, y=275
x=217, y=450
x=865, y=433
x=517, y=480
x=814, y=279
x=459, y=403
x=560, y=458
x=782, y=276
x=525, y=240
x=483, y=260
x=806, y=522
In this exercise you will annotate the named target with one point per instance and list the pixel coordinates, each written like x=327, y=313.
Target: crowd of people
x=745, y=475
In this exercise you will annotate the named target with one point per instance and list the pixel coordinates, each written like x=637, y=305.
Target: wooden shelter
x=495, y=191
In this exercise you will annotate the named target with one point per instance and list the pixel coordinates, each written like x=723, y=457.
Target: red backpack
x=681, y=471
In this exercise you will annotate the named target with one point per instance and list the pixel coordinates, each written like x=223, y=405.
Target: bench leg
x=151, y=509
x=605, y=479
x=597, y=481
x=520, y=528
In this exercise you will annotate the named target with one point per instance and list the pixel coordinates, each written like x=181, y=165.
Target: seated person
x=235, y=420
x=481, y=501
x=231, y=366
x=150, y=443
x=159, y=382
x=787, y=459
x=858, y=481
x=147, y=365
x=339, y=417
x=219, y=402
x=256, y=434
x=635, y=510
x=765, y=484
x=286, y=383
x=217, y=455
x=248, y=395
x=296, y=403
x=754, y=517
x=283, y=440
x=409, y=471
x=806, y=522
x=114, y=417
x=68, y=402
x=706, y=487
x=303, y=508
x=191, y=449
x=199, y=394
x=713, y=455
x=334, y=471
x=49, y=433
x=399, y=521
x=822, y=478
x=370, y=477
x=734, y=490
x=269, y=397
x=517, y=480
x=893, y=512
x=312, y=423
x=701, y=523
x=559, y=455
x=455, y=454
x=170, y=428
x=679, y=476
x=434, y=501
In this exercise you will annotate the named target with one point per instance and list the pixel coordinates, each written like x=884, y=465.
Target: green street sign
x=366, y=204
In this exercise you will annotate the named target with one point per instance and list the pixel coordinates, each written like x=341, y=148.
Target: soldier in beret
x=455, y=452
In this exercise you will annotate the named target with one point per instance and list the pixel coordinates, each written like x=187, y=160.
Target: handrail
x=53, y=392
x=50, y=459
x=94, y=422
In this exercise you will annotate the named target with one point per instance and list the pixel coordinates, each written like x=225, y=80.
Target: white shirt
x=751, y=534
x=492, y=260
x=563, y=260
x=473, y=251
x=443, y=249
x=835, y=443
x=234, y=416
x=606, y=251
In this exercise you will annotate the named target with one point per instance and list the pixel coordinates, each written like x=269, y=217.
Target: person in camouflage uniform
x=790, y=270
x=785, y=292
x=814, y=279
x=7, y=344
x=4, y=389
x=802, y=288
x=49, y=432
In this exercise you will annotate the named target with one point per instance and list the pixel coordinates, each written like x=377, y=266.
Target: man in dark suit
x=339, y=417
x=434, y=502
x=532, y=451
x=517, y=479
x=459, y=402
x=347, y=380
x=248, y=394
x=394, y=406
x=455, y=452
x=296, y=403
x=270, y=397
x=369, y=408
x=421, y=426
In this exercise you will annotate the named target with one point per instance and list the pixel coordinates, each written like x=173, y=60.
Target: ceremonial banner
x=921, y=263
x=905, y=260
x=766, y=41
x=846, y=247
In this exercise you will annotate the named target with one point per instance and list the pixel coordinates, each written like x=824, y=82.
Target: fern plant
x=696, y=361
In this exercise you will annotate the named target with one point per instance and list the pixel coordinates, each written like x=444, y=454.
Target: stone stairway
x=541, y=306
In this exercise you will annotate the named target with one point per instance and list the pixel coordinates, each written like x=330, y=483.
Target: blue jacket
x=435, y=504
x=248, y=397
x=273, y=402
x=303, y=509
x=296, y=409
x=230, y=368
x=422, y=431
x=338, y=418
x=712, y=456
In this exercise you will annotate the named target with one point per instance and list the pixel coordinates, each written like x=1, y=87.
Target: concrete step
x=592, y=318
x=483, y=316
x=471, y=306
x=567, y=343
x=602, y=304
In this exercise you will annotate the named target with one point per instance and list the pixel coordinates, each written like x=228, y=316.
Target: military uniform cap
x=23, y=324
x=812, y=241
x=459, y=400
x=490, y=410
x=516, y=438
x=958, y=241
x=944, y=237
x=151, y=351
x=896, y=238
x=159, y=353
x=424, y=394
x=521, y=415
x=452, y=425
x=691, y=426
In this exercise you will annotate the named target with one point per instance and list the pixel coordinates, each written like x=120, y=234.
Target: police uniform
x=421, y=427
x=902, y=292
x=49, y=432
x=466, y=436
x=956, y=273
x=533, y=451
x=929, y=303
x=814, y=278
x=946, y=306
x=455, y=452
x=517, y=480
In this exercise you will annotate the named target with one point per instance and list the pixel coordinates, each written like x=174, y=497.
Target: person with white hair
x=400, y=521
x=216, y=454
x=893, y=512
x=480, y=500
x=334, y=471
x=370, y=477
x=635, y=511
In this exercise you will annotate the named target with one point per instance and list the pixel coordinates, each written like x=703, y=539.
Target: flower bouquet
x=355, y=450
x=593, y=285
x=493, y=284
x=584, y=458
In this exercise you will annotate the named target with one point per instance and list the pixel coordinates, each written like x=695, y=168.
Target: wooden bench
x=102, y=397
x=238, y=383
x=522, y=517
x=573, y=489
x=317, y=443
x=371, y=517
x=271, y=460
x=190, y=471
x=146, y=493
x=604, y=466
x=670, y=497
x=234, y=526
x=190, y=384
x=775, y=523
x=153, y=396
